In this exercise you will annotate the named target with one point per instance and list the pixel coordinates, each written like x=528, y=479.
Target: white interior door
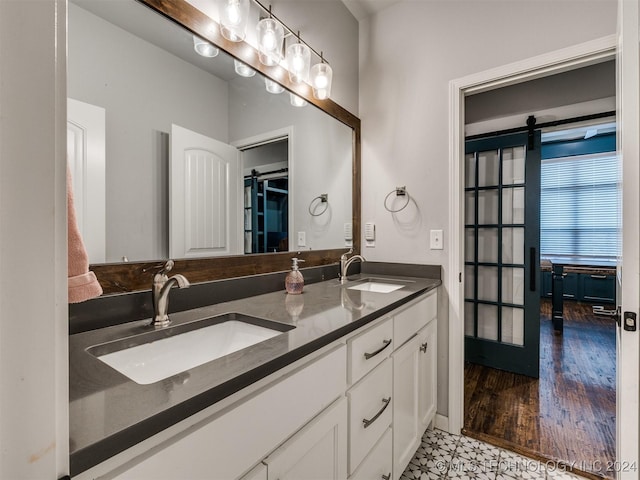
x=86, y=160
x=204, y=196
x=628, y=357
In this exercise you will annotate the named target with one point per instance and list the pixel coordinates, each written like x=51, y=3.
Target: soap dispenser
x=295, y=281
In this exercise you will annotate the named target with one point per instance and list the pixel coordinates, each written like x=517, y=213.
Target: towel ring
x=400, y=192
x=324, y=198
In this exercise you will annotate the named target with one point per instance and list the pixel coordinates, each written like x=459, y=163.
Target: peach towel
x=83, y=284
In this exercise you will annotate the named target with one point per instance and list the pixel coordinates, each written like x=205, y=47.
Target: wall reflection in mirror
x=174, y=154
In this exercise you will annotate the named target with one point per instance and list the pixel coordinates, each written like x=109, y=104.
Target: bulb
x=204, y=48
x=271, y=37
x=269, y=40
x=233, y=19
x=233, y=12
x=321, y=76
x=321, y=81
x=273, y=87
x=298, y=57
x=243, y=69
x=296, y=101
x=298, y=63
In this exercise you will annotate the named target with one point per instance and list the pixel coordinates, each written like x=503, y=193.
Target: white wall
x=404, y=106
x=33, y=252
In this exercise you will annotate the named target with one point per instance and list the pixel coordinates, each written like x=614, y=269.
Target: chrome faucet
x=345, y=261
x=162, y=284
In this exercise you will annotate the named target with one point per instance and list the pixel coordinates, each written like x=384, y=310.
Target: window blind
x=579, y=208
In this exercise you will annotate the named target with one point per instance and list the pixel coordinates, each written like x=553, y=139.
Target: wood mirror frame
x=133, y=276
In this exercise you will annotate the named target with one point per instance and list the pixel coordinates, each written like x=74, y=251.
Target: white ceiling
x=363, y=8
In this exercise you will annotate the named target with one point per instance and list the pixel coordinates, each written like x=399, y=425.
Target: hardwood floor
x=568, y=414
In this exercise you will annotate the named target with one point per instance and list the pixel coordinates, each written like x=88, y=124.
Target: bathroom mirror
x=142, y=70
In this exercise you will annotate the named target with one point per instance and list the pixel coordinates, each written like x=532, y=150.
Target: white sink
x=155, y=359
x=377, y=287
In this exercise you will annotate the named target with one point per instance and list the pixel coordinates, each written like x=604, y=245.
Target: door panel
x=502, y=225
x=205, y=190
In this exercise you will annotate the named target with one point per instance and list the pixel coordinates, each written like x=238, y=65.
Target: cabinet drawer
x=369, y=349
x=377, y=465
x=413, y=318
x=370, y=407
x=599, y=288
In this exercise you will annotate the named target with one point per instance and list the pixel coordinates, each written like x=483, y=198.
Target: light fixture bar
x=288, y=30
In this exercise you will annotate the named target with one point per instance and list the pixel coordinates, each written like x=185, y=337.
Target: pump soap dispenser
x=294, y=281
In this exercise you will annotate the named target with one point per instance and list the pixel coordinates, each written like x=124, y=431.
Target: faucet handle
x=167, y=267
x=344, y=255
x=161, y=274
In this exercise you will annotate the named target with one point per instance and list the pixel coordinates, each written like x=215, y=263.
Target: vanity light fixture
x=273, y=87
x=321, y=76
x=243, y=69
x=234, y=15
x=270, y=41
x=298, y=61
x=297, y=101
x=204, y=48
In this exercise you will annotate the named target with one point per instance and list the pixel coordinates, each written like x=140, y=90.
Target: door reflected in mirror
x=142, y=71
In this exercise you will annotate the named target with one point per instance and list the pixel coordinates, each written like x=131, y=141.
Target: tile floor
x=444, y=456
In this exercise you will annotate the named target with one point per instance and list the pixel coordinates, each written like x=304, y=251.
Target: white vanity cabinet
x=414, y=379
x=392, y=373
x=356, y=409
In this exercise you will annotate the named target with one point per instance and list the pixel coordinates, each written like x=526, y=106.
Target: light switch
x=436, y=242
x=302, y=239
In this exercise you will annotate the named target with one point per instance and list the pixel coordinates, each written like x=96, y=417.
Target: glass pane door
x=502, y=304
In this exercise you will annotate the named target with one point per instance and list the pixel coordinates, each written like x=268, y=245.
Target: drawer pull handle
x=599, y=276
x=424, y=346
x=369, y=422
x=386, y=477
x=367, y=356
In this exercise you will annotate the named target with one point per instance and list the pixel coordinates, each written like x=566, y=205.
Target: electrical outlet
x=436, y=242
x=302, y=239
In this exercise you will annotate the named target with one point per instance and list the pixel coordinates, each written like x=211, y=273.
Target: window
x=579, y=209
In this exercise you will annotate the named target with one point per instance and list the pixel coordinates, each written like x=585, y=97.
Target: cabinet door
x=317, y=452
x=406, y=424
x=427, y=374
x=378, y=464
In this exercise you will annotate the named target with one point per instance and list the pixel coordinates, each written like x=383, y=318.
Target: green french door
x=502, y=239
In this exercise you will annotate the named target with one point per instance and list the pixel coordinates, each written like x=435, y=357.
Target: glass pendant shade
x=243, y=69
x=204, y=48
x=273, y=87
x=270, y=39
x=298, y=61
x=321, y=76
x=297, y=101
x=233, y=19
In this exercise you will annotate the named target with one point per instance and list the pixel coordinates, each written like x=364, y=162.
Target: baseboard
x=442, y=423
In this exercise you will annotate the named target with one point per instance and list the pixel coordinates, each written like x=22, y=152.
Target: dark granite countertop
x=110, y=413
x=547, y=266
